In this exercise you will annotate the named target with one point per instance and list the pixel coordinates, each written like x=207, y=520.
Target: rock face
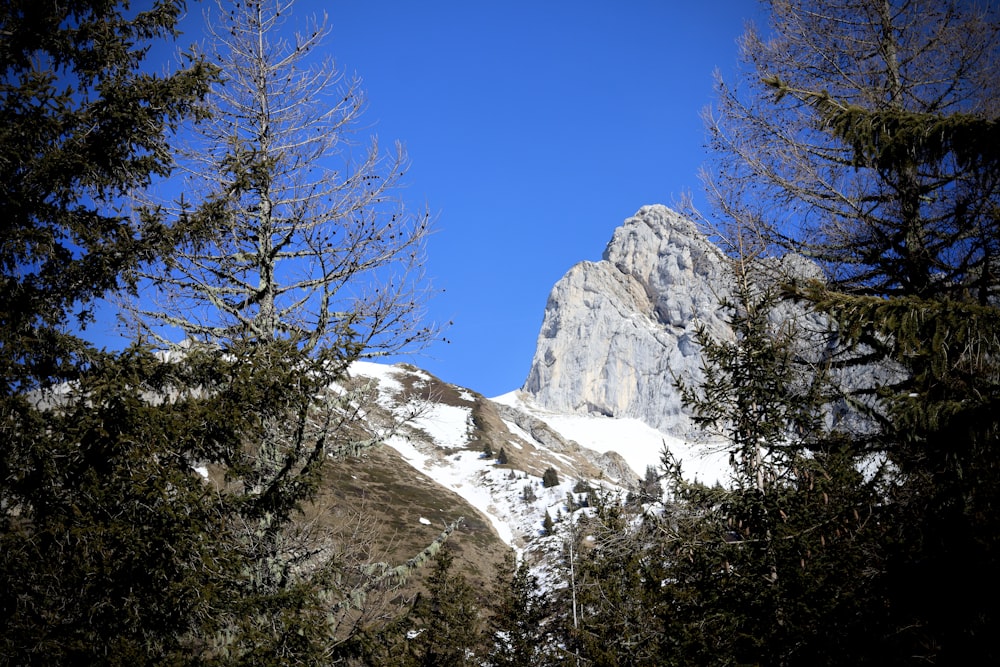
x=616, y=332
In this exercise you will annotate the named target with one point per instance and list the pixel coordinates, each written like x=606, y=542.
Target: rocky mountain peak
x=616, y=332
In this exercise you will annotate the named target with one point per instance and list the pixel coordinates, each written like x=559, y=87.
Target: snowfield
x=434, y=442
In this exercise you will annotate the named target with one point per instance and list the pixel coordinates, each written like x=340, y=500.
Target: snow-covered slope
x=446, y=428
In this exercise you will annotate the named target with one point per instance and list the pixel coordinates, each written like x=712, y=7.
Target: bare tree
x=311, y=263
x=878, y=223
x=312, y=243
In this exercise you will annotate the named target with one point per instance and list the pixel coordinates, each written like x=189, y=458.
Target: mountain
x=433, y=469
x=599, y=404
x=617, y=332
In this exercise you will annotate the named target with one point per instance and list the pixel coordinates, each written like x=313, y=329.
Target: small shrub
x=548, y=525
x=528, y=493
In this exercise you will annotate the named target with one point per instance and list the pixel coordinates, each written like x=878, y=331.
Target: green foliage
x=502, y=457
x=80, y=127
x=111, y=546
x=895, y=182
x=106, y=555
x=515, y=630
x=783, y=577
x=770, y=570
x=444, y=625
x=613, y=583
x=650, y=489
x=939, y=426
x=550, y=478
x=752, y=393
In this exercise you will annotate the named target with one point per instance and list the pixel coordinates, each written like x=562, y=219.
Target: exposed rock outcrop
x=616, y=332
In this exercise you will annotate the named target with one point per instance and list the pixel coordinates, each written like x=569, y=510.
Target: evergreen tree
x=114, y=549
x=770, y=570
x=550, y=478
x=883, y=159
x=528, y=493
x=447, y=620
x=515, y=630
x=650, y=489
x=937, y=423
x=608, y=606
x=108, y=552
x=82, y=126
x=547, y=525
x=939, y=428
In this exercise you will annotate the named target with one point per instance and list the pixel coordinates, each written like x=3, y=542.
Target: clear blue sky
x=534, y=129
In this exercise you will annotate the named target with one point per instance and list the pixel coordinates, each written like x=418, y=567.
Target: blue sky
x=534, y=129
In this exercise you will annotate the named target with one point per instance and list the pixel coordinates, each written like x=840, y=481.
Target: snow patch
x=447, y=425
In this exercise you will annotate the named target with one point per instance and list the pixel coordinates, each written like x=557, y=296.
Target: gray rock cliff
x=616, y=332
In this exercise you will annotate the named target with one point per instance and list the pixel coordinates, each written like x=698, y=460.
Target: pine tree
x=881, y=163
x=108, y=552
x=774, y=562
x=550, y=478
x=515, y=630
x=114, y=549
x=608, y=607
x=939, y=428
x=650, y=489
x=81, y=127
x=937, y=423
x=447, y=619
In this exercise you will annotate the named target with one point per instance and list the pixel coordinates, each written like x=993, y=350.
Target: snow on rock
x=639, y=444
x=617, y=333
